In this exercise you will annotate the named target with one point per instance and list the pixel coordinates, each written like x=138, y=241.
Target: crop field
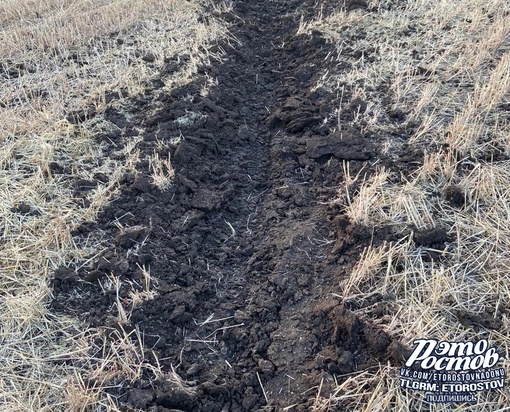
x=254, y=206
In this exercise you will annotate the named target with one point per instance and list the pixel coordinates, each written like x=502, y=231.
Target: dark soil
x=246, y=236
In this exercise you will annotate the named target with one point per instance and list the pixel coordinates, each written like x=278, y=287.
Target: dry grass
x=446, y=66
x=60, y=56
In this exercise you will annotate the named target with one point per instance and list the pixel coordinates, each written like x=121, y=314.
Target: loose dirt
x=245, y=249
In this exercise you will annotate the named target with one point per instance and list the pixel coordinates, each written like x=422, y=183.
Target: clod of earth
x=435, y=237
x=481, y=320
x=345, y=145
x=131, y=235
x=455, y=196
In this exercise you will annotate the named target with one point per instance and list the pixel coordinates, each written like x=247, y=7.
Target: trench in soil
x=245, y=248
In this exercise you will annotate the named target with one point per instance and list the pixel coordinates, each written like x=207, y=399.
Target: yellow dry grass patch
x=60, y=56
x=446, y=65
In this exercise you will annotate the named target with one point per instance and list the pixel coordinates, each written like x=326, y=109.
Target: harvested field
x=249, y=206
